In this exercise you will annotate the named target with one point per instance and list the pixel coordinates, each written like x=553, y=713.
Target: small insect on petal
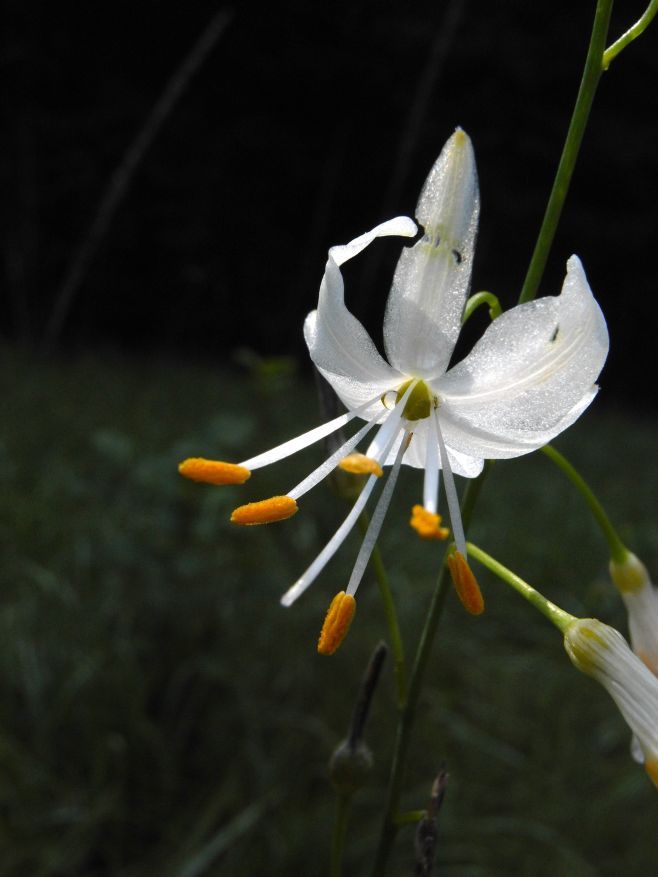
x=360, y=464
x=336, y=623
x=465, y=583
x=277, y=508
x=213, y=471
x=427, y=524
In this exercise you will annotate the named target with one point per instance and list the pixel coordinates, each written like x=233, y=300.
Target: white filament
x=390, y=429
x=451, y=490
x=329, y=464
x=375, y=525
x=304, y=440
x=431, y=480
x=389, y=426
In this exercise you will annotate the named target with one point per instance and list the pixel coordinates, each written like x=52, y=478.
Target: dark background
x=306, y=125
x=160, y=714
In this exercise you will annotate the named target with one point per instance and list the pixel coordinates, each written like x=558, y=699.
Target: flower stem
x=390, y=822
x=618, y=551
x=557, y=616
x=397, y=647
x=631, y=34
x=343, y=802
x=591, y=75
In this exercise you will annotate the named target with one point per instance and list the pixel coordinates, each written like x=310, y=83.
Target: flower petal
x=529, y=377
x=338, y=343
x=425, y=305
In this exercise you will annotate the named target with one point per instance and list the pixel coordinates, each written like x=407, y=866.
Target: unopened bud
x=427, y=831
x=349, y=766
x=351, y=761
x=629, y=575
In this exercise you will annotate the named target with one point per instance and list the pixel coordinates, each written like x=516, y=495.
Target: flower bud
x=641, y=600
x=602, y=652
x=629, y=575
x=349, y=766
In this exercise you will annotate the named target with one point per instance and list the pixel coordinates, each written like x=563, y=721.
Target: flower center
x=420, y=402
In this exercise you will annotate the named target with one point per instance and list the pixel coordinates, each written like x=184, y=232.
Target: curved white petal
x=338, y=343
x=426, y=302
x=401, y=226
x=529, y=377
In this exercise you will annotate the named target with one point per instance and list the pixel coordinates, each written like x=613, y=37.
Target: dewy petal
x=338, y=343
x=531, y=374
x=425, y=305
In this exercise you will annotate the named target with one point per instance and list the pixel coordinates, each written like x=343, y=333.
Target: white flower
x=603, y=653
x=528, y=378
x=641, y=599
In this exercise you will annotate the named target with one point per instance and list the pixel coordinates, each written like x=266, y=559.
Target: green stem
x=390, y=823
x=411, y=817
x=591, y=75
x=557, y=616
x=343, y=802
x=618, y=551
x=482, y=298
x=631, y=34
x=397, y=646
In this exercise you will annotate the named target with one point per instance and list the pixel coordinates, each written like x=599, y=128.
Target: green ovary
x=419, y=404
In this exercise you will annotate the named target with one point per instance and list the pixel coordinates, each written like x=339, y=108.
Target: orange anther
x=336, y=623
x=359, y=464
x=465, y=583
x=426, y=524
x=213, y=471
x=277, y=508
x=651, y=767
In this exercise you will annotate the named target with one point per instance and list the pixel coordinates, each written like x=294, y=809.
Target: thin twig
x=120, y=180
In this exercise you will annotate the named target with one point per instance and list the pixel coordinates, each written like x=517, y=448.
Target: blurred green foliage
x=161, y=714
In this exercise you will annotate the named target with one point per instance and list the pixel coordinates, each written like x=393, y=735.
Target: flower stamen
x=330, y=463
x=427, y=524
x=377, y=520
x=277, y=508
x=336, y=623
x=651, y=767
x=378, y=450
x=360, y=464
x=213, y=471
x=465, y=583
x=451, y=490
x=308, y=438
